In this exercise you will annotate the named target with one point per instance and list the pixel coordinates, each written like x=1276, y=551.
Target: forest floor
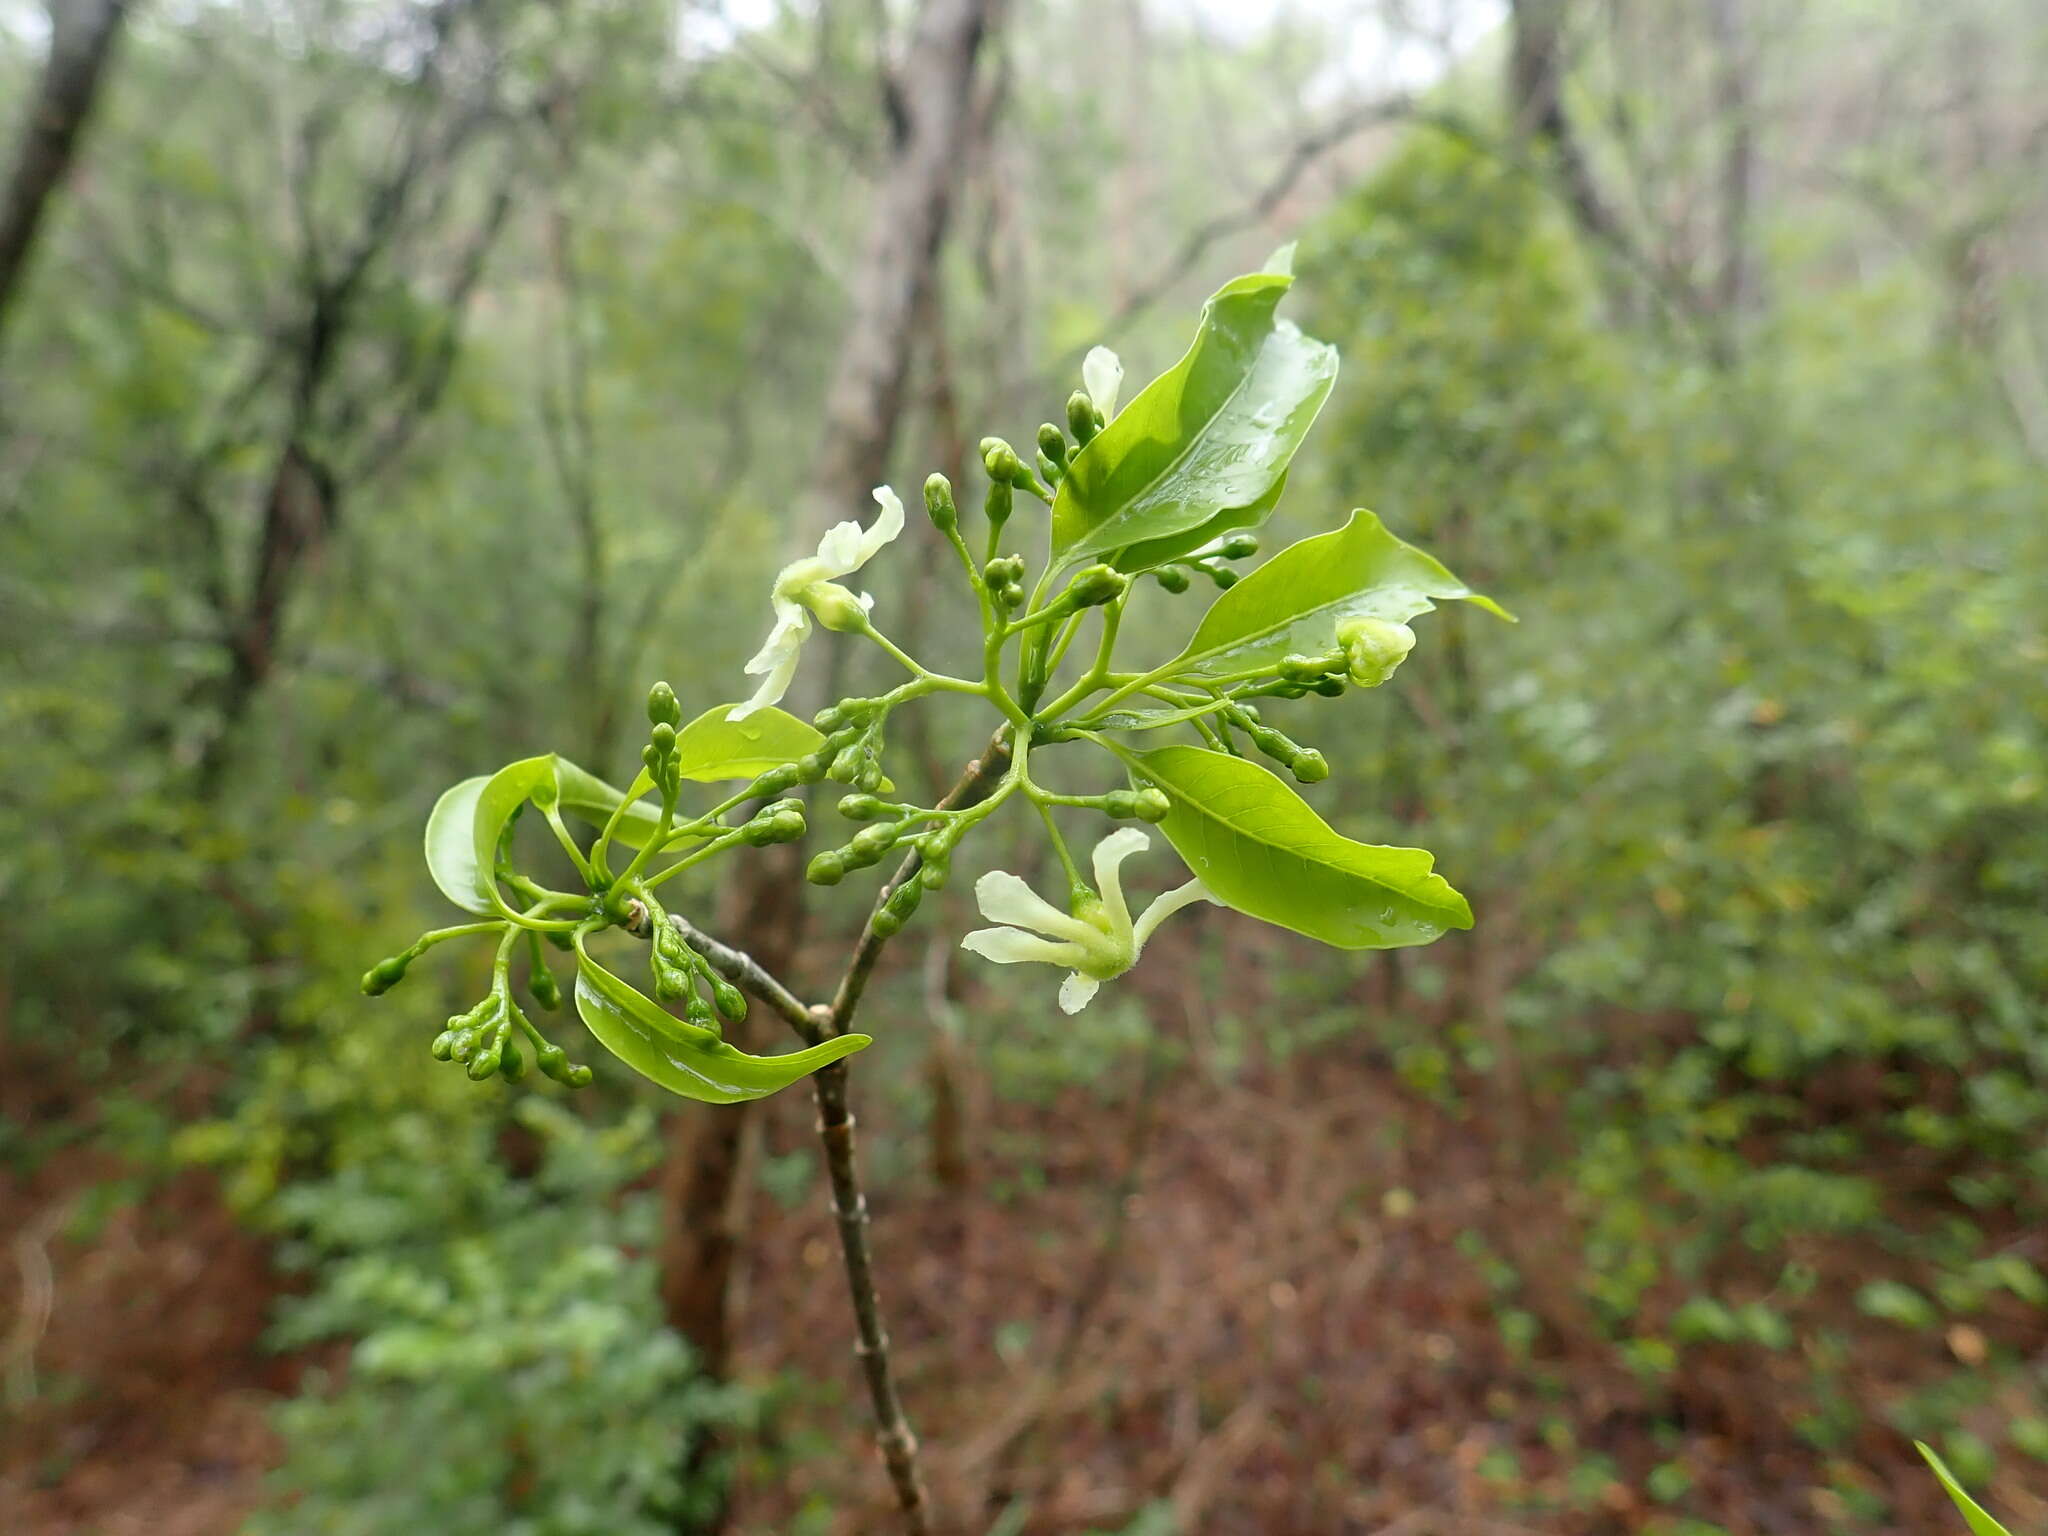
x=1256, y=1301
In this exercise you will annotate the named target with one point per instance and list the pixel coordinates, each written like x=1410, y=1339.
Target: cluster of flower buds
x=1147, y=804
x=1306, y=764
x=852, y=750
x=682, y=975
x=1210, y=563
x=659, y=756
x=1005, y=467
x=1004, y=578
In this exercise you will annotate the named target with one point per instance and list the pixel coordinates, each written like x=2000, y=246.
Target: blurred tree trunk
x=928, y=98
x=82, y=36
x=1734, y=281
x=1537, y=66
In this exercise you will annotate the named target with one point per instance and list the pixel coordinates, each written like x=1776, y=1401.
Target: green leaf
x=1142, y=557
x=1213, y=432
x=1296, y=600
x=503, y=793
x=1259, y=848
x=1980, y=1523
x=683, y=1058
x=712, y=748
x=451, y=848
x=589, y=798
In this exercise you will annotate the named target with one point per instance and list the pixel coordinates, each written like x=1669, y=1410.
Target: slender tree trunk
x=82, y=36
x=1735, y=278
x=929, y=96
x=1537, y=66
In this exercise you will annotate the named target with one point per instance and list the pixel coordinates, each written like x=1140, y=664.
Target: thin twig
x=835, y=1131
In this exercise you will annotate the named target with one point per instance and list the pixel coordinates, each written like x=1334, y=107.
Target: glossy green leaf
x=1296, y=600
x=503, y=793
x=712, y=748
x=1212, y=433
x=1259, y=848
x=451, y=846
x=683, y=1058
x=1142, y=557
x=1980, y=1523
x=589, y=798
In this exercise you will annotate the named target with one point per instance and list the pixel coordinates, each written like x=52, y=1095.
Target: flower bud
x=512, y=1063
x=827, y=868
x=1309, y=766
x=1298, y=668
x=1096, y=585
x=663, y=737
x=846, y=764
x=1082, y=421
x=835, y=607
x=731, y=1002
x=996, y=506
x=541, y=984
x=385, y=974
x=1153, y=804
x=443, y=1048
x=811, y=767
x=1240, y=546
x=1048, y=471
x=1001, y=461
x=663, y=708
x=1172, y=577
x=1222, y=575
x=886, y=924
x=1052, y=442
x=776, y=780
x=1373, y=648
x=870, y=843
x=1329, y=687
x=485, y=1062
x=830, y=718
x=860, y=807
x=939, y=505
x=1120, y=803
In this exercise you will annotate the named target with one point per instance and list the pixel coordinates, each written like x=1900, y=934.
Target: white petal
x=887, y=524
x=1102, y=372
x=839, y=550
x=1007, y=946
x=1003, y=898
x=1077, y=991
x=1109, y=856
x=783, y=642
x=779, y=662
x=1281, y=262
x=1165, y=906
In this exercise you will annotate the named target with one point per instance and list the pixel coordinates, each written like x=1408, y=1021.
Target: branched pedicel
x=1167, y=490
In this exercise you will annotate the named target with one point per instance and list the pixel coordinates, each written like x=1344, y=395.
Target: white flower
x=806, y=587
x=1096, y=941
x=1102, y=374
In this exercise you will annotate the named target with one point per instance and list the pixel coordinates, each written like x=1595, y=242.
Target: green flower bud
x=1297, y=668
x=662, y=738
x=512, y=1064
x=1082, y=421
x=776, y=780
x=663, y=708
x=1172, y=577
x=811, y=766
x=1245, y=712
x=1120, y=803
x=541, y=984
x=1050, y=472
x=939, y=505
x=835, y=607
x=1240, y=546
x=1373, y=648
x=996, y=506
x=1001, y=461
x=463, y=1046
x=1309, y=766
x=485, y=1062
x=1097, y=584
x=827, y=868
x=934, y=873
x=578, y=1076
x=698, y=1012
x=1329, y=687
x=846, y=764
x=870, y=843
x=385, y=974
x=886, y=924
x=551, y=1059
x=1153, y=804
x=859, y=807
x=671, y=981
x=730, y=1000
x=903, y=900
x=830, y=718
x=651, y=760
x=443, y=1048
x=1052, y=442
x=1222, y=575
